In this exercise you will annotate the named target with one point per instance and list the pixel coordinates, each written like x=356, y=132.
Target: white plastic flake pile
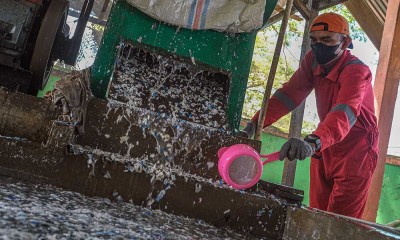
x=30, y=211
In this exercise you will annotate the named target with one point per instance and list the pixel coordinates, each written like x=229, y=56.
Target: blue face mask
x=324, y=53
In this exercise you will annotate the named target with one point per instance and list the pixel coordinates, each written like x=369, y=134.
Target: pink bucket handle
x=221, y=151
x=272, y=157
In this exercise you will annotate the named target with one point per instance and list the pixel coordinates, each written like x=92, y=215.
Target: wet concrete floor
x=40, y=211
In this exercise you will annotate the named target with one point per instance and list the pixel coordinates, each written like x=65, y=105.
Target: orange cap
x=330, y=22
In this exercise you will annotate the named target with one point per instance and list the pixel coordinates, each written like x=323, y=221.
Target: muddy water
x=38, y=211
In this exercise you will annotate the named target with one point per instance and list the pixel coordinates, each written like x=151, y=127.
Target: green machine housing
x=229, y=53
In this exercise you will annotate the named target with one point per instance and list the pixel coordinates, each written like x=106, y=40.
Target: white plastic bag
x=221, y=15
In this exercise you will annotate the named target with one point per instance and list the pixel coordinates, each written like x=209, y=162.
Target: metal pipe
x=274, y=66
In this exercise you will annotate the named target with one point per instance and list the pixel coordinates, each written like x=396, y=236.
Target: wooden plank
x=385, y=88
x=377, y=10
x=368, y=20
x=383, y=7
x=385, y=2
x=303, y=9
x=380, y=8
x=321, y=5
x=279, y=16
x=281, y=4
x=393, y=160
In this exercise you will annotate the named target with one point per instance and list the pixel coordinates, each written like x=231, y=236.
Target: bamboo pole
x=274, y=66
x=296, y=121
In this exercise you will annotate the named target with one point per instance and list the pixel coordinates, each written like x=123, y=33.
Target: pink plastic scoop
x=240, y=165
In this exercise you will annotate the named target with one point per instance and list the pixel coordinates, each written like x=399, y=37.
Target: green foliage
x=262, y=58
x=260, y=67
x=356, y=31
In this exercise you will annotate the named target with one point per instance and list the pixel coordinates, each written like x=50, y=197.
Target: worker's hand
x=250, y=129
x=296, y=148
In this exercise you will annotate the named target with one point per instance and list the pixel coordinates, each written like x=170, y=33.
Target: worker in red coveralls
x=344, y=147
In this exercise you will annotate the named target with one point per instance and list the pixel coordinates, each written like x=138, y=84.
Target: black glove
x=250, y=129
x=296, y=148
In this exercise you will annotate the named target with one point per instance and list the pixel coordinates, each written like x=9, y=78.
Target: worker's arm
x=354, y=81
x=291, y=95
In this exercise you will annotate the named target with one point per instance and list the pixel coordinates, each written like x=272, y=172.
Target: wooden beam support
x=280, y=5
x=278, y=17
x=321, y=5
x=274, y=66
x=371, y=23
x=296, y=121
x=302, y=8
x=385, y=88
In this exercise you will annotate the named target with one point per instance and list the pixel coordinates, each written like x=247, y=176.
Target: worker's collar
x=333, y=74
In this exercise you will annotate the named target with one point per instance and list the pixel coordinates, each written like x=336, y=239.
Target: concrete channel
x=109, y=161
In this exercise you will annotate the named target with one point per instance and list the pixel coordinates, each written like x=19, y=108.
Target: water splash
x=169, y=84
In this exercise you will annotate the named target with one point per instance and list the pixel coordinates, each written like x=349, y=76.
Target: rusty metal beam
x=385, y=88
x=296, y=122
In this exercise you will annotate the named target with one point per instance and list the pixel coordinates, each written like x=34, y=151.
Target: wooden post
x=385, y=88
x=296, y=121
x=274, y=66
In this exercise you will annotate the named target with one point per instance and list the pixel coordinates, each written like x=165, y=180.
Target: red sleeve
x=291, y=95
x=354, y=81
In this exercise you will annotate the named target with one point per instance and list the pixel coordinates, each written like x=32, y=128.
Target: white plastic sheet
x=221, y=15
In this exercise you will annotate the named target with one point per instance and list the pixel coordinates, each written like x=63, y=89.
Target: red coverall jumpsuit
x=348, y=131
